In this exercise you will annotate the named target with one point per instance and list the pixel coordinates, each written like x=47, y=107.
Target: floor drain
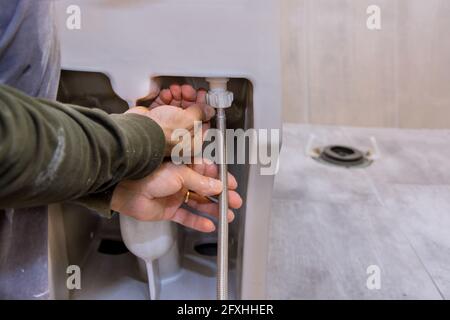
x=207, y=249
x=343, y=156
x=112, y=247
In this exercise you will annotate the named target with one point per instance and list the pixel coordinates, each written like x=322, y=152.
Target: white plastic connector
x=218, y=96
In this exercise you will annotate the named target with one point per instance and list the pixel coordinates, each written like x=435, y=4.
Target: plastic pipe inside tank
x=219, y=98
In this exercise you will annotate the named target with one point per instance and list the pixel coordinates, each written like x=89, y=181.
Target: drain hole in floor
x=112, y=247
x=207, y=249
x=344, y=156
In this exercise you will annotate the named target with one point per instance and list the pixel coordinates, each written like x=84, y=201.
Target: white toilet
x=126, y=49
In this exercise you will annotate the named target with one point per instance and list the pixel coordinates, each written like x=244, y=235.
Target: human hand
x=160, y=195
x=186, y=107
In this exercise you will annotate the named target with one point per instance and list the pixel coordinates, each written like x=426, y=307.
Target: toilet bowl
x=140, y=46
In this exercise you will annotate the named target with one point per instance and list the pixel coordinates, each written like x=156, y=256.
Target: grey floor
x=330, y=224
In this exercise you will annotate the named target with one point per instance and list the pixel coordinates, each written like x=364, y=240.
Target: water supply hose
x=222, y=244
x=219, y=98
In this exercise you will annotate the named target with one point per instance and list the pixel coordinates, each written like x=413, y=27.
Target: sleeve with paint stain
x=52, y=152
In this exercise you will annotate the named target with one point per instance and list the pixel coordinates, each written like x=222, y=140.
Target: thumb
x=201, y=112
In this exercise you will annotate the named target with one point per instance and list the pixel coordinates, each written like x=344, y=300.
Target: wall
x=336, y=71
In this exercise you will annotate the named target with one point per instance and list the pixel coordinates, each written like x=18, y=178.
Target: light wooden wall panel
x=336, y=71
x=293, y=50
x=424, y=63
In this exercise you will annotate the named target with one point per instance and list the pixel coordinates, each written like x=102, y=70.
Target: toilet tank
x=138, y=42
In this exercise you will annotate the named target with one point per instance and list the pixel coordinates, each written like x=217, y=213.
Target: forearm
x=50, y=152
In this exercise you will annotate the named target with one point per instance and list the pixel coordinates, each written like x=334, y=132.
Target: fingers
x=211, y=209
x=201, y=96
x=190, y=220
x=200, y=112
x=165, y=97
x=234, y=199
x=194, y=221
x=209, y=169
x=183, y=96
x=175, y=89
x=176, y=96
x=179, y=96
x=189, y=95
x=201, y=184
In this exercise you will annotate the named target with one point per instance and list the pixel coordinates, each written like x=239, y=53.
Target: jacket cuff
x=98, y=202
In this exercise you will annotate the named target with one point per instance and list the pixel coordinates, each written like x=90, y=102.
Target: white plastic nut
x=219, y=99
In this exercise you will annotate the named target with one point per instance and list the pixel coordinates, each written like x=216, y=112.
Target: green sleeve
x=52, y=152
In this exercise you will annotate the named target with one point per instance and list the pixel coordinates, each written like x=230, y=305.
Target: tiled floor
x=330, y=224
